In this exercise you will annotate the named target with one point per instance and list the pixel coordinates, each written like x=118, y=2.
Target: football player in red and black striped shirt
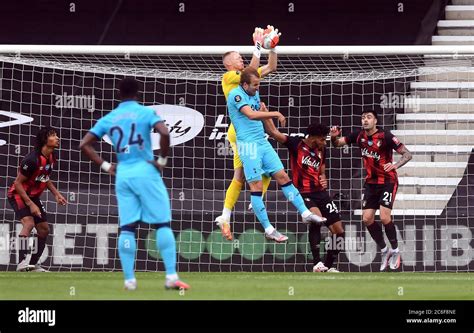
x=307, y=160
x=381, y=182
x=24, y=196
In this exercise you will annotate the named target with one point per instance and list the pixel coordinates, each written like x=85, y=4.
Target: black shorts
x=22, y=210
x=323, y=201
x=376, y=195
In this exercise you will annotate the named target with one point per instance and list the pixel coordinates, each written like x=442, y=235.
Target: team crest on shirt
x=47, y=167
x=237, y=98
x=370, y=143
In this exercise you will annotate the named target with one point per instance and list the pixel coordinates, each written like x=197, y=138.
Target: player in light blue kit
x=141, y=193
x=257, y=154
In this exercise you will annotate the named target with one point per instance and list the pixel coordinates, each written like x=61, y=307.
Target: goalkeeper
x=234, y=64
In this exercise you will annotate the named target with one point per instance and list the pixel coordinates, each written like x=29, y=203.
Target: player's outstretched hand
x=263, y=107
x=282, y=119
x=323, y=181
x=258, y=35
x=35, y=211
x=335, y=131
x=112, y=169
x=272, y=28
x=389, y=167
x=61, y=200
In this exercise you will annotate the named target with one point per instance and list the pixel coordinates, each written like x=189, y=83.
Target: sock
x=377, y=235
x=293, y=195
x=391, y=233
x=231, y=197
x=226, y=212
x=23, y=247
x=39, y=251
x=166, y=244
x=269, y=230
x=334, y=252
x=314, y=236
x=259, y=209
x=127, y=247
x=266, y=183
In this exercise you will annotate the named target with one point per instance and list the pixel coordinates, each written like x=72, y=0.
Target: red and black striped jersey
x=37, y=168
x=306, y=164
x=377, y=150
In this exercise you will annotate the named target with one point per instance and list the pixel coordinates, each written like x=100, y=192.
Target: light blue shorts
x=143, y=199
x=258, y=158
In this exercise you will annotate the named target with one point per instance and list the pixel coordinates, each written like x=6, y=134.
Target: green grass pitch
x=239, y=286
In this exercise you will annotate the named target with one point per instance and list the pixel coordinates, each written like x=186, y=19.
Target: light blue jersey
x=129, y=128
x=247, y=130
x=256, y=153
x=141, y=193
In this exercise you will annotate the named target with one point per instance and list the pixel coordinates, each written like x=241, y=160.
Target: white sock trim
x=269, y=230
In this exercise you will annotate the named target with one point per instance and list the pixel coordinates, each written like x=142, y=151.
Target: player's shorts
x=258, y=158
x=376, y=195
x=232, y=137
x=22, y=210
x=142, y=199
x=326, y=205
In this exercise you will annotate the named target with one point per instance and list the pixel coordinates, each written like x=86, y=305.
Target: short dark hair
x=42, y=137
x=317, y=129
x=371, y=111
x=128, y=88
x=247, y=73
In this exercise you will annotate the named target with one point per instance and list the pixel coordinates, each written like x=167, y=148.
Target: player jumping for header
x=234, y=64
x=257, y=154
x=381, y=182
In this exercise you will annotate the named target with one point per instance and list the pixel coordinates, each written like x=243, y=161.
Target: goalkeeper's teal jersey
x=247, y=130
x=129, y=128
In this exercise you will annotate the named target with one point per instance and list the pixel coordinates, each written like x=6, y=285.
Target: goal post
x=424, y=94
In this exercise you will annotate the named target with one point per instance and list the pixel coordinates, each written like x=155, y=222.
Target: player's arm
x=337, y=142
x=253, y=115
x=258, y=41
x=406, y=156
x=59, y=198
x=86, y=146
x=271, y=65
x=322, y=177
x=20, y=179
x=161, y=129
x=270, y=127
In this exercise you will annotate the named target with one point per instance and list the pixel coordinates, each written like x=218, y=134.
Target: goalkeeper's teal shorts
x=142, y=199
x=258, y=158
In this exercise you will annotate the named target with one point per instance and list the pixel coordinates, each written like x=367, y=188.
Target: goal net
x=424, y=95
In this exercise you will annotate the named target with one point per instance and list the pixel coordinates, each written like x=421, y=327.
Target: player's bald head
x=233, y=61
